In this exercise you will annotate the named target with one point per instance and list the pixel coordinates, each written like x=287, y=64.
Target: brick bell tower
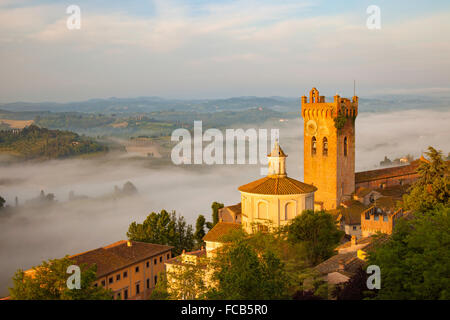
x=329, y=147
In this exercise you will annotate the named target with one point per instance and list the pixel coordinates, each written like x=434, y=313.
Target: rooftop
x=119, y=255
x=234, y=208
x=349, y=259
x=220, y=230
x=351, y=214
x=392, y=172
x=181, y=259
x=277, y=185
x=395, y=191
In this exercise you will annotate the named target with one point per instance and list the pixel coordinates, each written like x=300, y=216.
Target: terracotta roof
x=350, y=259
x=385, y=173
x=119, y=255
x=178, y=259
x=277, y=185
x=352, y=214
x=396, y=191
x=221, y=229
x=236, y=209
x=362, y=192
x=385, y=203
x=377, y=241
x=360, y=244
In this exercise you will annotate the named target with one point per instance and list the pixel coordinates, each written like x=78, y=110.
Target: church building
x=276, y=199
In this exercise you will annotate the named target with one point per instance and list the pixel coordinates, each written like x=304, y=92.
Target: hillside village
x=365, y=208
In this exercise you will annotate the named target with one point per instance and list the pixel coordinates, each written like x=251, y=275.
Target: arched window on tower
x=325, y=147
x=345, y=146
x=313, y=146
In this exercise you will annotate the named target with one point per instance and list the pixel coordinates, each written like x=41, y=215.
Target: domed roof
x=277, y=185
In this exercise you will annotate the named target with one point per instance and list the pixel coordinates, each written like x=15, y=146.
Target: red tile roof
x=221, y=229
x=178, y=259
x=385, y=173
x=236, y=209
x=277, y=185
x=119, y=255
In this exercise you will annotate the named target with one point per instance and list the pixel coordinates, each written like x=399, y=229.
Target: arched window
x=345, y=146
x=325, y=147
x=313, y=146
x=262, y=210
x=289, y=209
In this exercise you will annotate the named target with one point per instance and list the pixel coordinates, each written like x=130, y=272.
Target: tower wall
x=329, y=169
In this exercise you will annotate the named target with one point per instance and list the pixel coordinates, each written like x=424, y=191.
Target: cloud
x=231, y=48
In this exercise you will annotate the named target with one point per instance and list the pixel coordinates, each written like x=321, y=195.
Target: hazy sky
x=220, y=48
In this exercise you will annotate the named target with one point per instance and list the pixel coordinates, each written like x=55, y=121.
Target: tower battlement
x=317, y=107
x=329, y=147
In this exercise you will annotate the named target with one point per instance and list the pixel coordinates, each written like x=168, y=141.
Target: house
x=178, y=264
x=231, y=213
x=366, y=196
x=350, y=258
x=215, y=237
x=129, y=268
x=379, y=218
x=348, y=217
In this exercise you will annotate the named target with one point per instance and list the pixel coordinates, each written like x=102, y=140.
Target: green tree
x=415, y=262
x=242, y=273
x=317, y=232
x=49, y=282
x=200, y=230
x=215, y=213
x=160, y=291
x=187, y=281
x=433, y=185
x=163, y=228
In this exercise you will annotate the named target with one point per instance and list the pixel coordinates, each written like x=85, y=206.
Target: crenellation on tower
x=329, y=146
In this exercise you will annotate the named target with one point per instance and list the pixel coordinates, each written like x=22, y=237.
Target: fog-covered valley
x=33, y=233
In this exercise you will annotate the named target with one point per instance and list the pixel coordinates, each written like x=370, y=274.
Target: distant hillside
x=151, y=104
x=40, y=143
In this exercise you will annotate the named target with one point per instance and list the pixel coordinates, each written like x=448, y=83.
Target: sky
x=217, y=49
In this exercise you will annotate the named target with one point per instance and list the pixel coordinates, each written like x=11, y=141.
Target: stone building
x=381, y=178
x=378, y=219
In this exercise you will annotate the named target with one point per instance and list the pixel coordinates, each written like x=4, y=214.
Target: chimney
x=129, y=244
x=341, y=265
x=354, y=241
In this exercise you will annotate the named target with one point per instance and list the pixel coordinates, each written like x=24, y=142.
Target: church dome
x=277, y=182
x=275, y=185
